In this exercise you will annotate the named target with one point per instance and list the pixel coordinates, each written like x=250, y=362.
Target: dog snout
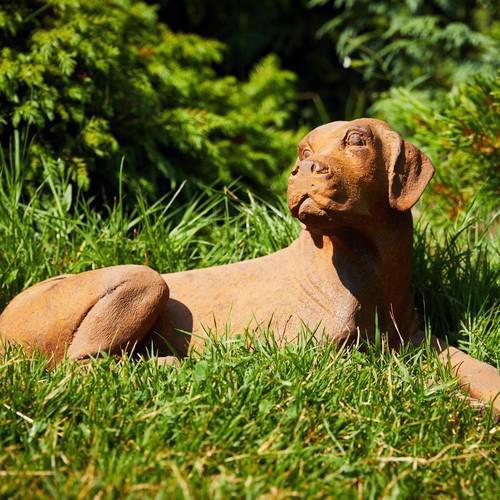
x=310, y=167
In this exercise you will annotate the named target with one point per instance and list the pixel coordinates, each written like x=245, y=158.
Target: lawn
x=243, y=418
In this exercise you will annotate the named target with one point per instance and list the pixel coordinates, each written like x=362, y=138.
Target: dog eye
x=355, y=139
x=306, y=153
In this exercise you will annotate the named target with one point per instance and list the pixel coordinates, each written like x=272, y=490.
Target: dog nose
x=310, y=167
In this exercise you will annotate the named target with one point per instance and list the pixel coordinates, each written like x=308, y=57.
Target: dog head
x=348, y=172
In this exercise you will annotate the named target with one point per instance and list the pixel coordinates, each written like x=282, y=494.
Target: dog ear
x=408, y=170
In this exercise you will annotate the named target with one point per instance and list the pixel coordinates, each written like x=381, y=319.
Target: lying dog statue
x=348, y=273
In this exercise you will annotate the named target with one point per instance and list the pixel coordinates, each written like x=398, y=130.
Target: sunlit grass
x=303, y=421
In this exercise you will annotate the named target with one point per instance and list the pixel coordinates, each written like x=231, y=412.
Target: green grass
x=243, y=418
x=299, y=421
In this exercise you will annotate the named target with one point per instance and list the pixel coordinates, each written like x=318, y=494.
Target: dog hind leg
x=107, y=309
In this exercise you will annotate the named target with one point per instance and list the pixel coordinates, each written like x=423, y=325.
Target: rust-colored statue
x=349, y=272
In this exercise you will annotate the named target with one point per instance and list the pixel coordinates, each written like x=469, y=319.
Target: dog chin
x=310, y=213
x=323, y=220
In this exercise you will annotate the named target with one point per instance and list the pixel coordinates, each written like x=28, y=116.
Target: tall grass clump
x=57, y=230
x=457, y=281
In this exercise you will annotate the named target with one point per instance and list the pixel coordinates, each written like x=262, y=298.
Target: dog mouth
x=296, y=203
x=306, y=207
x=295, y=207
x=309, y=207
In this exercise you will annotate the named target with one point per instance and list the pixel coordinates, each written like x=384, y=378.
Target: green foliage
x=346, y=52
x=284, y=27
x=461, y=134
x=407, y=42
x=95, y=81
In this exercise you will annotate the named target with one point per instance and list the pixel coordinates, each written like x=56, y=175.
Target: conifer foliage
x=95, y=81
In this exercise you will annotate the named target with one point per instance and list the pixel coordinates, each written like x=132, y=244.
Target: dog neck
x=373, y=262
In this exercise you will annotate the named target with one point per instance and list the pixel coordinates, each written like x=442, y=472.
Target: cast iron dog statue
x=352, y=188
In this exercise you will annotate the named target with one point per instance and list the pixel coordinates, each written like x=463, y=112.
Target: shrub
x=461, y=134
x=96, y=81
x=439, y=42
x=346, y=52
